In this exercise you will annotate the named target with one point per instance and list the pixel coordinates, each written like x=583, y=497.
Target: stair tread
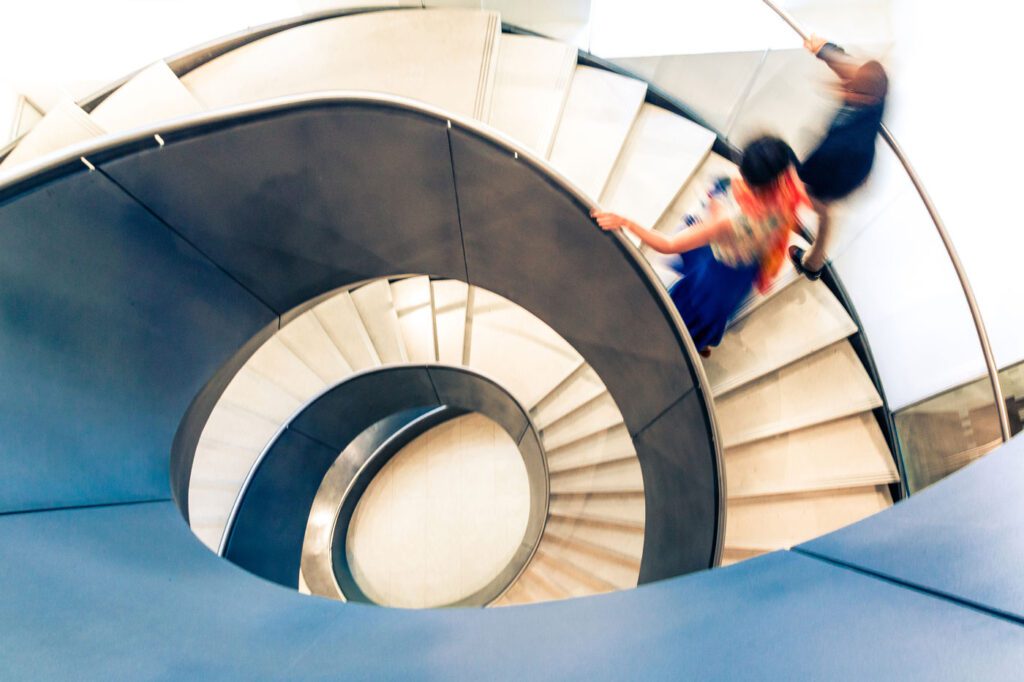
x=598, y=115
x=554, y=469
x=377, y=311
x=516, y=348
x=340, y=319
x=598, y=414
x=624, y=475
x=823, y=386
x=605, y=445
x=849, y=452
x=153, y=94
x=583, y=387
x=412, y=300
x=660, y=155
x=306, y=337
x=66, y=124
x=531, y=83
x=622, y=547
x=785, y=521
x=801, y=320
x=612, y=569
x=277, y=363
x=450, y=318
x=445, y=57
x=629, y=508
x=570, y=577
x=596, y=520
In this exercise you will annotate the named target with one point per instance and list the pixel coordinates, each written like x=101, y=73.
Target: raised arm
x=686, y=240
x=834, y=56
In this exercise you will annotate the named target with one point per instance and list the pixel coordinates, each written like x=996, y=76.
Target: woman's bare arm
x=686, y=240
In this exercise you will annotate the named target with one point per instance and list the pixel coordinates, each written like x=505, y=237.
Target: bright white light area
x=442, y=518
x=657, y=27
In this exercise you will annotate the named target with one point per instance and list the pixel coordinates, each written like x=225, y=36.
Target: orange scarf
x=781, y=203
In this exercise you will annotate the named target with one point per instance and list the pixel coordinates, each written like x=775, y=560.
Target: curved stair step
x=257, y=394
x=781, y=521
x=802, y=319
x=623, y=543
x=598, y=115
x=824, y=386
x=598, y=414
x=531, y=83
x=604, y=446
x=660, y=155
x=607, y=522
x=414, y=306
x=340, y=319
x=377, y=310
x=277, y=363
x=626, y=507
x=64, y=125
x=450, y=298
x=308, y=339
x=153, y=94
x=239, y=427
x=517, y=349
x=570, y=578
x=614, y=568
x=848, y=452
x=582, y=386
x=618, y=476
x=445, y=57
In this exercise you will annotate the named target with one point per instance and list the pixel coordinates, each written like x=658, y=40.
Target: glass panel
x=1012, y=381
x=944, y=433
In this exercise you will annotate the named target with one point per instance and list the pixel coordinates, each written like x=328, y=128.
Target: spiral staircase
x=196, y=285
x=803, y=450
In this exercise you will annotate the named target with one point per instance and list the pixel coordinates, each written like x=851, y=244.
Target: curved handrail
x=947, y=242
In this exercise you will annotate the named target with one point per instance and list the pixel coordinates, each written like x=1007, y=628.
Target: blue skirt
x=709, y=294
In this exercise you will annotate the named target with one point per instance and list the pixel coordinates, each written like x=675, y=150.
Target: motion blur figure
x=736, y=242
x=843, y=159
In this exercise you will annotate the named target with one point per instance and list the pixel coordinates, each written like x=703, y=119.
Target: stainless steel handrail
x=940, y=227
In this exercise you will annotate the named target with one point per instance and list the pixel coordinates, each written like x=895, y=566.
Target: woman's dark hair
x=764, y=160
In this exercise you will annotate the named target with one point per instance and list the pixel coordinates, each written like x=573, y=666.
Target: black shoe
x=796, y=254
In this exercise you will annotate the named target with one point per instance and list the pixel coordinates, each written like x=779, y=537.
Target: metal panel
x=306, y=201
x=266, y=537
x=159, y=604
x=111, y=324
x=963, y=536
x=461, y=389
x=563, y=276
x=350, y=408
x=681, y=493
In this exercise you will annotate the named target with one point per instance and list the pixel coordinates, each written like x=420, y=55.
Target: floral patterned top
x=761, y=223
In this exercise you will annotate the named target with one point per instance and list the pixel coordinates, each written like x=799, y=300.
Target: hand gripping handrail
x=940, y=227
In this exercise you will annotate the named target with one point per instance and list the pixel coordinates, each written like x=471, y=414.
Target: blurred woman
x=739, y=240
x=843, y=158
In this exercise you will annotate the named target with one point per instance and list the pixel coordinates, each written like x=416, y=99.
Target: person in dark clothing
x=842, y=160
